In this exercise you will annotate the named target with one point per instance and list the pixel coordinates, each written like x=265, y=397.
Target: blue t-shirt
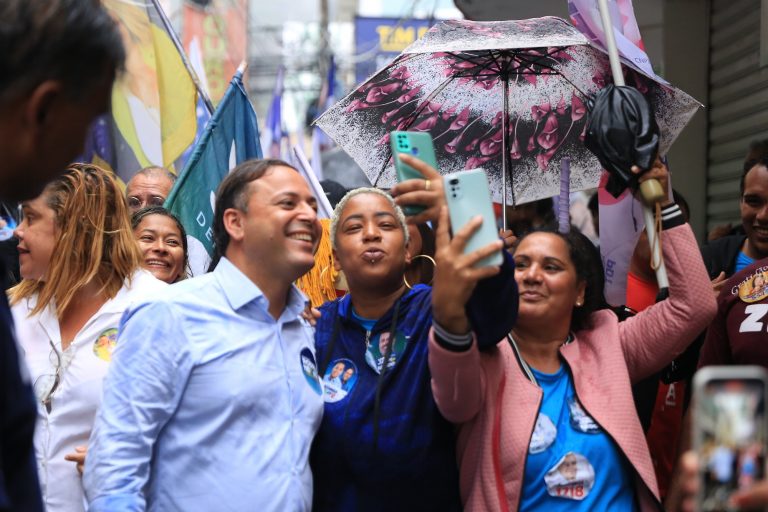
x=572, y=464
x=742, y=261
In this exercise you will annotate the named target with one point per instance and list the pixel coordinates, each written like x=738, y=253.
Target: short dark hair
x=234, y=192
x=748, y=166
x=141, y=214
x=589, y=269
x=72, y=41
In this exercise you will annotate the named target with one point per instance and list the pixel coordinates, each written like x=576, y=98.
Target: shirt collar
x=240, y=290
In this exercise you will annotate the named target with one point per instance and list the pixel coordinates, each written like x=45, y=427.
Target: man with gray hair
x=58, y=59
x=149, y=187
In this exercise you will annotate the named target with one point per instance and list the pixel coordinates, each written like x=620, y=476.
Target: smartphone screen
x=730, y=437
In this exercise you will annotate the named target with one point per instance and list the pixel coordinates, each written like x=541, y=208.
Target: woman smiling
x=546, y=419
x=81, y=269
x=163, y=243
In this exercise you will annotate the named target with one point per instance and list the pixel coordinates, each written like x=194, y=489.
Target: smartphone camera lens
x=454, y=181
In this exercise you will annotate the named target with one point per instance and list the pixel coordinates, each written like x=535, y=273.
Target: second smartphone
x=467, y=195
x=417, y=144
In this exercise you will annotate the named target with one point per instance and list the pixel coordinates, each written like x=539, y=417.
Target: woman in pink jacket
x=547, y=420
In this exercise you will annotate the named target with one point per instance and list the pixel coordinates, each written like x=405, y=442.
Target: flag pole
x=168, y=28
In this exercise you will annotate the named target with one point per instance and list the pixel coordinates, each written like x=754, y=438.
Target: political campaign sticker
x=309, y=368
x=377, y=348
x=755, y=288
x=544, y=434
x=105, y=344
x=572, y=477
x=339, y=379
x=580, y=420
x=7, y=225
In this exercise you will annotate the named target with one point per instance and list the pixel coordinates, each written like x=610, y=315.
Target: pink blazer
x=495, y=405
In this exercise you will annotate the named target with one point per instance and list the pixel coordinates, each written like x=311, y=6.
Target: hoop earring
x=434, y=265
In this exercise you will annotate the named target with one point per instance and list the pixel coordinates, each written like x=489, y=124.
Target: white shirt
x=78, y=393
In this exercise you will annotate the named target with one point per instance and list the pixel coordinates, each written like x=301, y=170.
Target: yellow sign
x=393, y=38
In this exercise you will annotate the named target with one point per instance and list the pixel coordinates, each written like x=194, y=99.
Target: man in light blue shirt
x=213, y=397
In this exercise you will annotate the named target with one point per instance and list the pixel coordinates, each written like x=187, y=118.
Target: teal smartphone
x=417, y=144
x=467, y=195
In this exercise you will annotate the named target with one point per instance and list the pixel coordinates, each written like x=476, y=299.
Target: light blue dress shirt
x=210, y=404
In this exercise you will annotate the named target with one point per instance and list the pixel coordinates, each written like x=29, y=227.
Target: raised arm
x=141, y=391
x=657, y=335
x=454, y=361
x=492, y=306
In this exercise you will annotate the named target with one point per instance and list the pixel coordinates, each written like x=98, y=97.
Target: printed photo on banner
x=339, y=380
x=571, y=478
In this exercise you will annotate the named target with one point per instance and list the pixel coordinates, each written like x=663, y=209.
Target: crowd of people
x=131, y=382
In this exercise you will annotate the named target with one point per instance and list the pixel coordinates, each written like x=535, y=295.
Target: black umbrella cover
x=621, y=132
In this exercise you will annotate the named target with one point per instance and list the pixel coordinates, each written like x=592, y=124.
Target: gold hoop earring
x=434, y=265
x=427, y=256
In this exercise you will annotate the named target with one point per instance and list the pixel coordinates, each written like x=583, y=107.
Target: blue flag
x=231, y=137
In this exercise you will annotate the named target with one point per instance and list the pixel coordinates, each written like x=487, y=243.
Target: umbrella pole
x=504, y=150
x=618, y=78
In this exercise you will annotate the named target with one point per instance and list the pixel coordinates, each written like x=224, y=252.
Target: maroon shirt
x=739, y=332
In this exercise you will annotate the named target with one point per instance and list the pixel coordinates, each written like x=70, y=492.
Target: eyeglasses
x=136, y=203
x=47, y=384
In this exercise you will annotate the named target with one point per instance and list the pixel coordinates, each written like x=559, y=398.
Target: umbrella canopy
x=507, y=96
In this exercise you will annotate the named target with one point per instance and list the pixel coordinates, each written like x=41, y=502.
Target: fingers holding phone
x=457, y=271
x=425, y=192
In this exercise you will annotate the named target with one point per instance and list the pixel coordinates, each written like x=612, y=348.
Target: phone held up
x=467, y=196
x=417, y=144
x=729, y=432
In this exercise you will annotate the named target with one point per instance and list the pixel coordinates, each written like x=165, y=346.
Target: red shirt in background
x=667, y=417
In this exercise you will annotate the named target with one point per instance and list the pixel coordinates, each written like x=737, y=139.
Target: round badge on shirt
x=755, y=288
x=309, y=368
x=339, y=379
x=544, y=434
x=105, y=344
x=580, y=420
x=572, y=477
x=374, y=354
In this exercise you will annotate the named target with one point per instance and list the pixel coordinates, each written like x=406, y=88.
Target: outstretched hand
x=455, y=274
x=427, y=192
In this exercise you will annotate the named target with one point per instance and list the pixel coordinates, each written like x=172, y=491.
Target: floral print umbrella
x=490, y=91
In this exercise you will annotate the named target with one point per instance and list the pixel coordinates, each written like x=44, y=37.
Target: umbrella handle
x=653, y=240
x=652, y=192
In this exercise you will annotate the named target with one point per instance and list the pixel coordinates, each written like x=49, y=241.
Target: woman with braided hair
x=80, y=268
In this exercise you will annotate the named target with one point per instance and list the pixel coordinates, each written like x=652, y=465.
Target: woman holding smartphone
x=546, y=419
x=80, y=269
x=382, y=444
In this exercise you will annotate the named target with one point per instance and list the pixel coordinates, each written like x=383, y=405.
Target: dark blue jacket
x=413, y=463
x=19, y=488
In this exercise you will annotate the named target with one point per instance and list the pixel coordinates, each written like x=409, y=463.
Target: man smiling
x=213, y=396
